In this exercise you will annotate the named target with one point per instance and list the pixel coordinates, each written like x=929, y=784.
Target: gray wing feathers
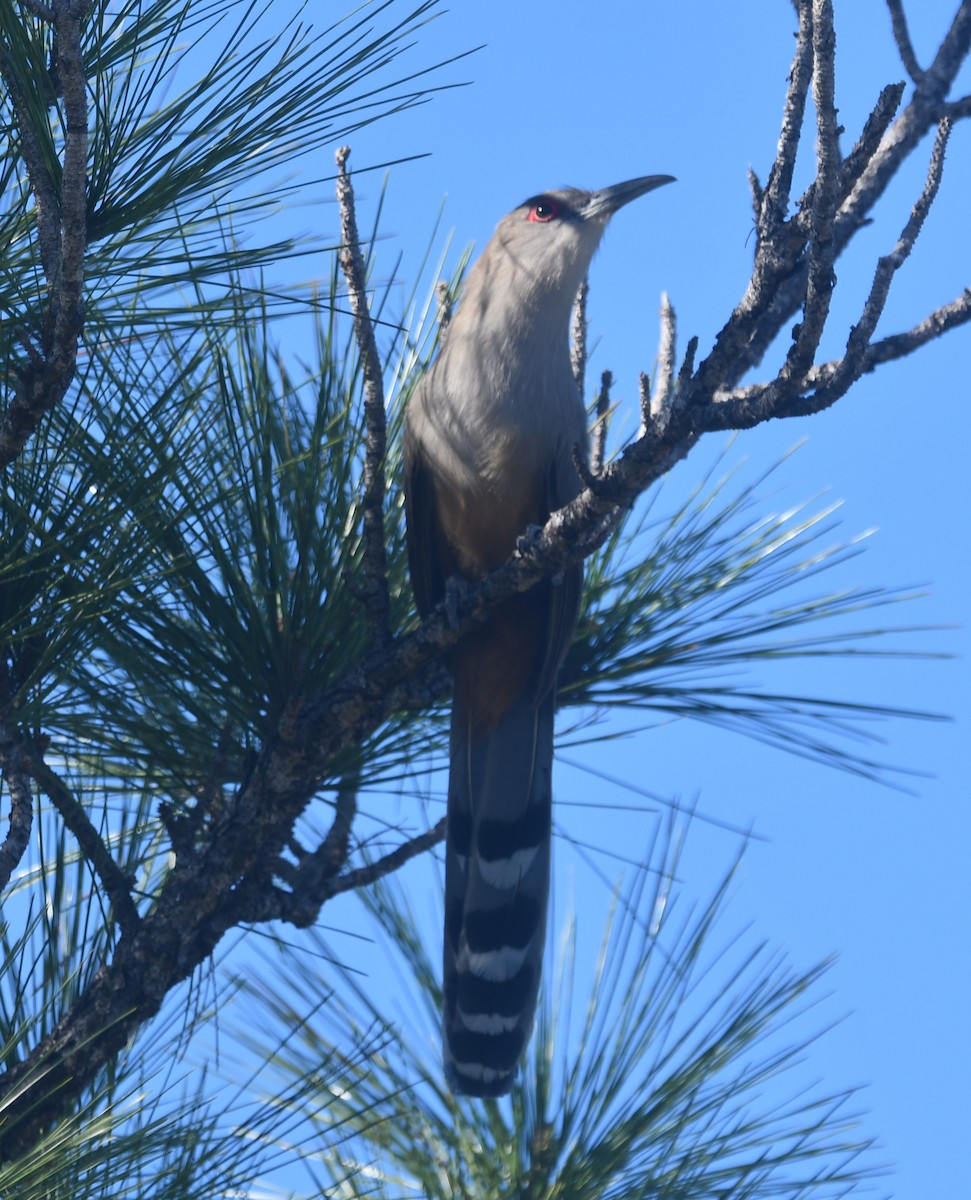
x=497, y=868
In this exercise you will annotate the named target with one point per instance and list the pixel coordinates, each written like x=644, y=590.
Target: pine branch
x=117, y=887
x=375, y=583
x=13, y=765
x=62, y=236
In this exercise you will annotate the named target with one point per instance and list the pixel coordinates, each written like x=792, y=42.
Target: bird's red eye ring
x=544, y=209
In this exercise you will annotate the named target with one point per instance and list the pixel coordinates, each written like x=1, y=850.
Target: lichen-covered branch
x=820, y=279
x=745, y=407
x=375, y=583
x=578, y=337
x=51, y=344
x=13, y=766
x=308, y=884
x=662, y=396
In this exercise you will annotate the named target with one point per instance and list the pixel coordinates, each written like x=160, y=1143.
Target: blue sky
x=593, y=94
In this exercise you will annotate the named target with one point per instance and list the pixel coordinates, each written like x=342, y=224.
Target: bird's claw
x=527, y=537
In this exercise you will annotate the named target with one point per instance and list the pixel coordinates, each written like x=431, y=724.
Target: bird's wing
x=426, y=545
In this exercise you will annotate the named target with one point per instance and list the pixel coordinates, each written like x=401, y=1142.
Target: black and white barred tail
x=497, y=871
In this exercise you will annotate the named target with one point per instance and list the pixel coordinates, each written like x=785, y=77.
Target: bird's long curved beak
x=606, y=201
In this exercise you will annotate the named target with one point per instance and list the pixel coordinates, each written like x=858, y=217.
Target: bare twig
x=875, y=127
x=310, y=882
x=664, y=378
x=895, y=346
x=745, y=407
x=926, y=107
x=598, y=446
x=940, y=321
x=775, y=198
x=822, y=247
x=644, y=402
x=116, y=885
x=578, y=337
x=66, y=306
x=38, y=173
x=790, y=291
x=687, y=367
x=958, y=109
x=758, y=192
x=316, y=878
x=901, y=36
x=779, y=244
x=375, y=585
x=776, y=289
x=862, y=333
x=363, y=876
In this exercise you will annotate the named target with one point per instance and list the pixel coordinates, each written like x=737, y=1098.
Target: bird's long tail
x=497, y=870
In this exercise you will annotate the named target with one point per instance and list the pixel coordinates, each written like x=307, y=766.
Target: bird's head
x=549, y=241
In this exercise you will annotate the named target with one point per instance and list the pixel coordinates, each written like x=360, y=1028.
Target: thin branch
x=861, y=335
x=901, y=36
x=598, y=448
x=874, y=129
x=758, y=192
x=644, y=402
x=658, y=410
x=958, y=109
x=749, y=400
x=926, y=107
x=779, y=245
x=775, y=198
x=363, y=876
x=66, y=303
x=117, y=886
x=578, y=337
x=687, y=368
x=13, y=764
x=744, y=407
x=310, y=881
x=866, y=174
x=316, y=880
x=822, y=247
x=38, y=174
x=790, y=291
x=940, y=321
x=375, y=583
x=62, y=239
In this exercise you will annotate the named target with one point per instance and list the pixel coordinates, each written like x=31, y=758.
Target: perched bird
x=490, y=439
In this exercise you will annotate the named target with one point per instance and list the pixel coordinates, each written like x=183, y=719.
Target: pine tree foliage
x=199, y=728
x=678, y=1073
